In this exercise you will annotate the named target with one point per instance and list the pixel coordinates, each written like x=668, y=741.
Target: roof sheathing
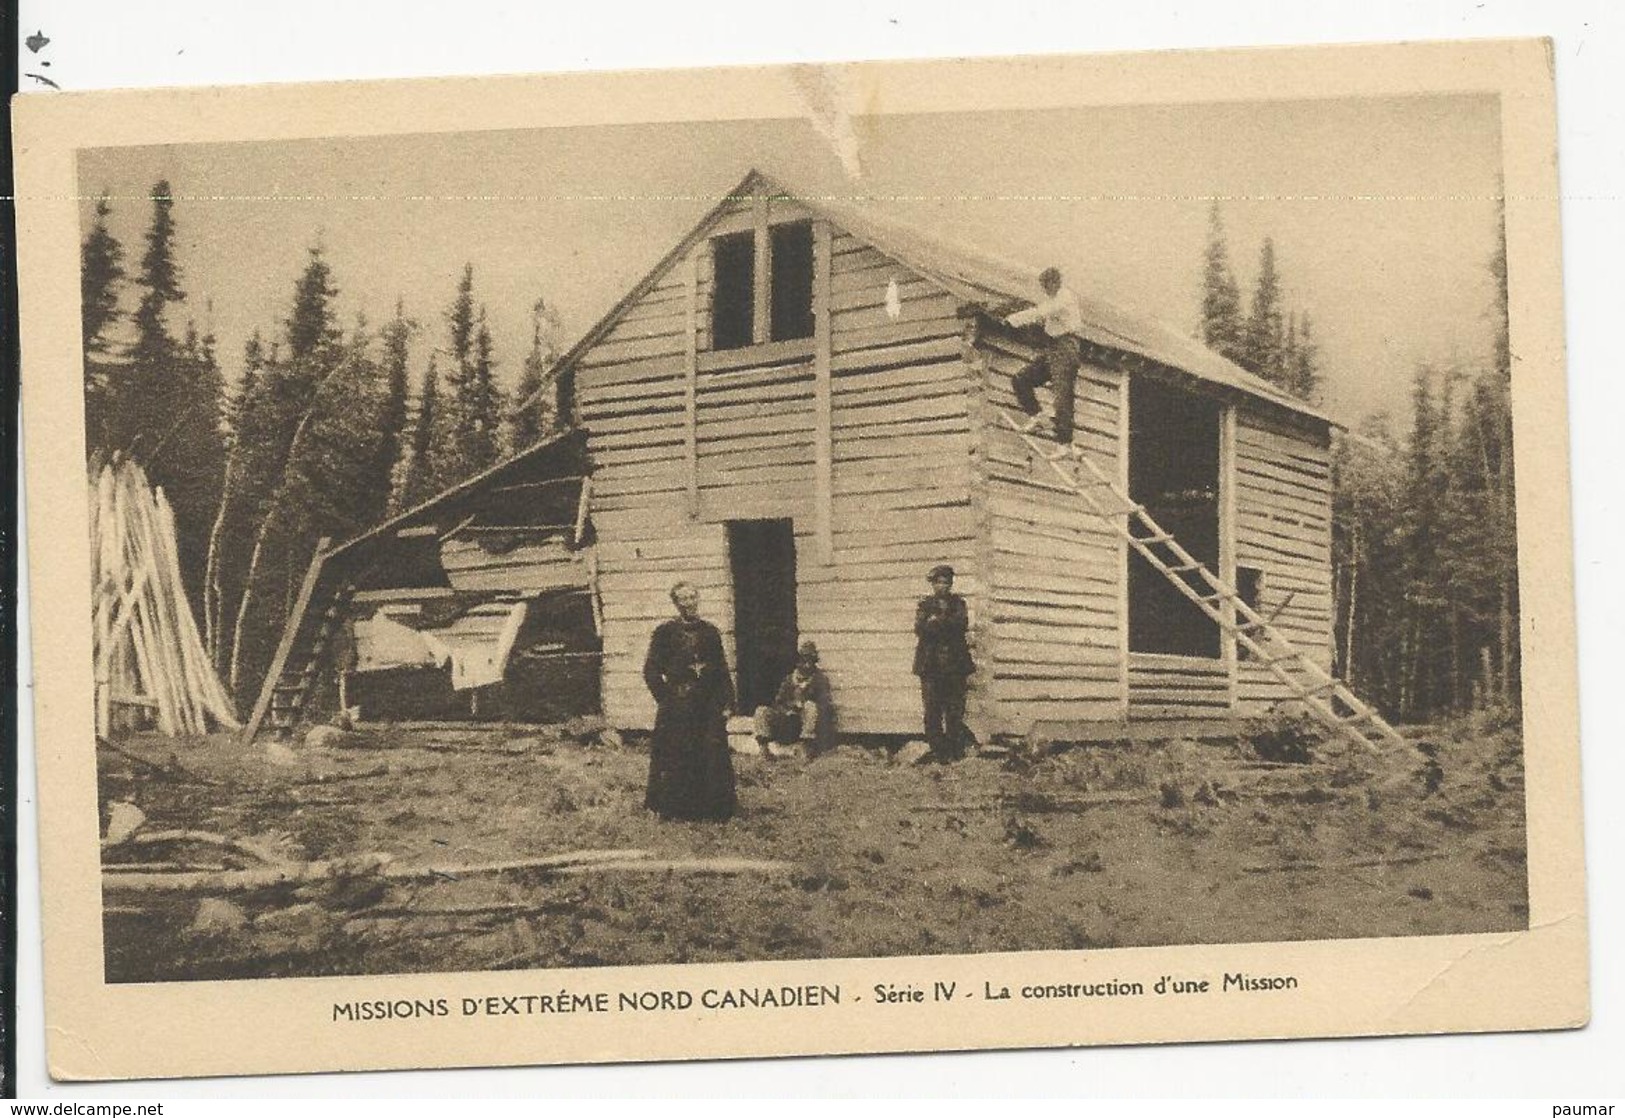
x=979, y=278
x=557, y=444
x=992, y=282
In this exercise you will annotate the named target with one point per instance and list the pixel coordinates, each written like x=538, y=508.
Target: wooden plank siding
x=1053, y=570
x=879, y=437
x=520, y=561
x=641, y=552
x=1177, y=687
x=1283, y=506
x=859, y=435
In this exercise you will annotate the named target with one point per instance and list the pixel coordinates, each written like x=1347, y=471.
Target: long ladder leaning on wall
x=1317, y=688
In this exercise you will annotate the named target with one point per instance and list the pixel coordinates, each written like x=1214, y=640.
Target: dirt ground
x=1089, y=847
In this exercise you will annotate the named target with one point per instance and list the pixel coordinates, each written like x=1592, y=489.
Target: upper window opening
x=792, y=290
x=733, y=292
x=737, y=320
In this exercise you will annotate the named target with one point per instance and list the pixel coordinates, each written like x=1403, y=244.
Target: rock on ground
x=123, y=820
x=325, y=737
x=278, y=754
x=217, y=917
x=912, y=754
x=745, y=745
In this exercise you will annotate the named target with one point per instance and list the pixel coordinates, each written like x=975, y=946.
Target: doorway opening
x=762, y=557
x=1173, y=468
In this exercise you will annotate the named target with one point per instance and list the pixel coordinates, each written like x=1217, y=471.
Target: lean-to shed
x=799, y=410
x=476, y=604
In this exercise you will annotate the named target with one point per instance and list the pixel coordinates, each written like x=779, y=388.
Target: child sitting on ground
x=802, y=710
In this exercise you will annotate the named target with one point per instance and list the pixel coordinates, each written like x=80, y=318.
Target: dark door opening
x=1173, y=468
x=762, y=555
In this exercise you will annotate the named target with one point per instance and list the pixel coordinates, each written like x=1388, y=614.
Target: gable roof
x=990, y=281
x=976, y=277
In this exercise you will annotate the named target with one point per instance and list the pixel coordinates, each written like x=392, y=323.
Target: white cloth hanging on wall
x=477, y=645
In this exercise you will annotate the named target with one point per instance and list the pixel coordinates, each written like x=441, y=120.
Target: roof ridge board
x=968, y=272
x=1146, y=335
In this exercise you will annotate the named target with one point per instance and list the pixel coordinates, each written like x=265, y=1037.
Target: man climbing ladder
x=1057, y=363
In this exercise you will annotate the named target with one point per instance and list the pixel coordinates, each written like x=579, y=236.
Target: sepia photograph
x=807, y=537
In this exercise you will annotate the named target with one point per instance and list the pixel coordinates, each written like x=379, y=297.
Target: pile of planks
x=151, y=667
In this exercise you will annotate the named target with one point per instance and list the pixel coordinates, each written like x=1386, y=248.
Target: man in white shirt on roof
x=1057, y=363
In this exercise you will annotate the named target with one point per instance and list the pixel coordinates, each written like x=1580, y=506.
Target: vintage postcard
x=857, y=558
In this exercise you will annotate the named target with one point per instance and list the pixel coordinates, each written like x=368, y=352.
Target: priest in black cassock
x=691, y=773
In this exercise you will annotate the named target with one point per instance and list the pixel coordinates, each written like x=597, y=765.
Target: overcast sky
x=1382, y=211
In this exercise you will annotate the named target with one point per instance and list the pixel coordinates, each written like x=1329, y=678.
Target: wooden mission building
x=798, y=410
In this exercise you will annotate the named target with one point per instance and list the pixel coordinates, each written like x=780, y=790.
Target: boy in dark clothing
x=942, y=660
x=802, y=710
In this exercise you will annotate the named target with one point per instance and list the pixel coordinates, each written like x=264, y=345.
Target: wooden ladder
x=1321, y=692
x=297, y=662
x=293, y=686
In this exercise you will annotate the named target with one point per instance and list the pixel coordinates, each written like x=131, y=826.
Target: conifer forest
x=321, y=428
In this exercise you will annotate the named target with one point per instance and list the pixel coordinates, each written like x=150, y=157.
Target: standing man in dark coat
x=942, y=661
x=691, y=773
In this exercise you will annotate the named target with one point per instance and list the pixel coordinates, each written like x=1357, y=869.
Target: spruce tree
x=534, y=413
x=417, y=484
x=1425, y=483
x=1221, y=298
x=1303, y=360
x=1263, y=334
x=465, y=437
x=454, y=415
x=460, y=320
x=101, y=270
x=170, y=401
x=384, y=472
x=312, y=334
x=147, y=400
x=486, y=402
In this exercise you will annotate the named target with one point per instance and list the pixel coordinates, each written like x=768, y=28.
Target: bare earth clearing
x=1096, y=846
